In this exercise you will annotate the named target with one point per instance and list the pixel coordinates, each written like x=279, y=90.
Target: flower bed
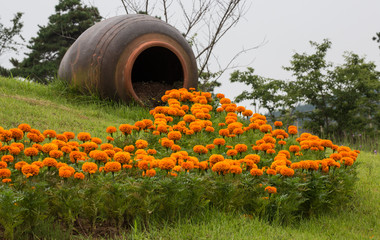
x=195, y=153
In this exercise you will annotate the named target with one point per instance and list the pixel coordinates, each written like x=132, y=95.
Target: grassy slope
x=52, y=107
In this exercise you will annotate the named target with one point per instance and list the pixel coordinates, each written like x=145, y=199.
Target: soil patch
x=150, y=93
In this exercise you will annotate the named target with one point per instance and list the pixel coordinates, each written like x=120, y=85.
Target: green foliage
x=377, y=38
x=345, y=98
x=7, y=35
x=128, y=200
x=265, y=92
x=48, y=48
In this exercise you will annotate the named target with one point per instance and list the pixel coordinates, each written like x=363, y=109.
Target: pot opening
x=154, y=71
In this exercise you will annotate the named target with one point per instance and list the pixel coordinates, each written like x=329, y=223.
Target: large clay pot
x=126, y=56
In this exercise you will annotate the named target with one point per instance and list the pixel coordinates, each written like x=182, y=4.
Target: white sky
x=286, y=26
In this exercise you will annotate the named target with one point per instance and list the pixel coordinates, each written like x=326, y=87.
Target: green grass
x=58, y=107
x=360, y=220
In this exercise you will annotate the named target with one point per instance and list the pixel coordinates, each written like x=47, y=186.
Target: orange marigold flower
x=234, y=169
x=24, y=127
x=165, y=142
x=166, y=163
x=20, y=164
x=256, y=172
x=84, y=136
x=141, y=144
x=282, y=142
x=66, y=171
x=110, y=153
x=111, y=129
x=49, y=134
x=254, y=157
x=69, y=135
x=122, y=157
x=348, y=161
x=50, y=162
x=271, y=171
x=216, y=158
x=231, y=152
x=7, y=180
x=96, y=140
x=270, y=189
x=106, y=146
x=129, y=148
x=66, y=149
x=221, y=167
x=99, y=156
x=241, y=148
x=76, y=156
x=200, y=149
x=140, y=125
x=278, y=123
x=30, y=170
x=220, y=95
x=5, y=173
x=14, y=150
x=126, y=128
x=175, y=148
x=55, y=154
x=3, y=164
x=150, y=173
x=5, y=136
x=17, y=134
x=247, y=113
x=89, y=146
x=174, y=135
x=89, y=167
x=144, y=165
x=203, y=165
x=61, y=164
x=187, y=165
x=294, y=148
x=286, y=172
x=225, y=101
x=292, y=130
x=219, y=141
x=151, y=151
x=40, y=164
x=47, y=147
x=224, y=132
x=265, y=128
x=195, y=127
x=79, y=175
x=112, y=167
x=210, y=146
x=62, y=138
x=7, y=158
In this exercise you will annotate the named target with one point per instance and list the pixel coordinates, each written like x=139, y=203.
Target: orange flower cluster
x=239, y=141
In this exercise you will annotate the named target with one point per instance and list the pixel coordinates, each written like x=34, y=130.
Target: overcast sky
x=285, y=26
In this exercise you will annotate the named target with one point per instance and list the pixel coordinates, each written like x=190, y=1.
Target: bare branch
x=166, y=4
x=196, y=15
x=125, y=7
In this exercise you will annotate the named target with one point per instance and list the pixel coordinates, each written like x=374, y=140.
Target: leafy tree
x=265, y=92
x=7, y=35
x=7, y=41
x=70, y=20
x=356, y=95
x=313, y=84
x=345, y=99
x=377, y=38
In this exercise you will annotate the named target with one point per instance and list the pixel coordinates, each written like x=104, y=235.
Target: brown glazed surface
x=104, y=58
